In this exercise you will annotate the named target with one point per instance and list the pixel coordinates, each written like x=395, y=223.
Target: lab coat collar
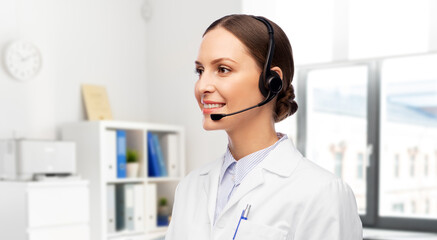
x=281, y=161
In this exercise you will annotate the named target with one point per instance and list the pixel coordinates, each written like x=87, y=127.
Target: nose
x=205, y=84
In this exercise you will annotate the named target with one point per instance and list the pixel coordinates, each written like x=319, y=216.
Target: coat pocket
x=255, y=231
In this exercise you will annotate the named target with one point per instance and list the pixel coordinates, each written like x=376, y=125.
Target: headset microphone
x=219, y=116
x=268, y=77
x=270, y=96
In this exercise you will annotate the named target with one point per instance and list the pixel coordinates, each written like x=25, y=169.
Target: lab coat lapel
x=254, y=179
x=283, y=160
x=210, y=186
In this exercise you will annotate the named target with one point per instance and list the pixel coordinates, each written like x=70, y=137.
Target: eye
x=198, y=71
x=223, y=69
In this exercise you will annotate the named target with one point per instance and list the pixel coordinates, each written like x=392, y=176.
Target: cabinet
x=44, y=210
x=93, y=152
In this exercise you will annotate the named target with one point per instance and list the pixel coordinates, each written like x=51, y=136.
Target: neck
x=251, y=138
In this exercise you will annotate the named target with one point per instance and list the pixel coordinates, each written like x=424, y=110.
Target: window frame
x=371, y=218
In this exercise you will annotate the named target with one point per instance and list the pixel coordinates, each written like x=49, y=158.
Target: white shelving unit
x=92, y=166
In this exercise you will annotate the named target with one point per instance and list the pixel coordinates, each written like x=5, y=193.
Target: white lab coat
x=291, y=198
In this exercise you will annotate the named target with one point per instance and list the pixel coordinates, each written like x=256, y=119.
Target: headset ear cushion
x=263, y=88
x=274, y=82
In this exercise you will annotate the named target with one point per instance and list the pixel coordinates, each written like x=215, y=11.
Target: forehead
x=220, y=43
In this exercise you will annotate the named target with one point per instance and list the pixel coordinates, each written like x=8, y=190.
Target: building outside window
x=426, y=165
x=396, y=122
x=337, y=124
x=413, y=207
x=427, y=207
x=396, y=166
x=398, y=207
x=412, y=152
x=412, y=165
x=360, y=165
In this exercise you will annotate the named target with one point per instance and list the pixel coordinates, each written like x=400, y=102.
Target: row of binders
x=162, y=157
x=162, y=153
x=128, y=210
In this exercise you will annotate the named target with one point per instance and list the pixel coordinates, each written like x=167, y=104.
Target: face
x=228, y=80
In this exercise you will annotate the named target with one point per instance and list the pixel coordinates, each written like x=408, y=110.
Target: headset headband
x=271, y=49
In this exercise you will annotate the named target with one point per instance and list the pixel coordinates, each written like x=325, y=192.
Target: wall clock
x=23, y=60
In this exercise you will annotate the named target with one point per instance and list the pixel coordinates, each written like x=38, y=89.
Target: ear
x=278, y=71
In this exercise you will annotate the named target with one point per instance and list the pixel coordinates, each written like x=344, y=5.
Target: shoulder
x=329, y=196
x=289, y=169
x=314, y=174
x=288, y=163
x=319, y=181
x=326, y=193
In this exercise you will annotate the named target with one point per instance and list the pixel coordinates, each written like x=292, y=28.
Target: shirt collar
x=243, y=166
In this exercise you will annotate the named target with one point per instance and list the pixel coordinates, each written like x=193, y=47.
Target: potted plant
x=133, y=164
x=164, y=212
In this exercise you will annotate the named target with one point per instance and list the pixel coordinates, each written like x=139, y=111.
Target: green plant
x=131, y=156
x=162, y=202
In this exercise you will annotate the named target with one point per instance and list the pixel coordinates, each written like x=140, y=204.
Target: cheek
x=245, y=91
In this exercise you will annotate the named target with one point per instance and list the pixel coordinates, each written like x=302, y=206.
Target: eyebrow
x=216, y=61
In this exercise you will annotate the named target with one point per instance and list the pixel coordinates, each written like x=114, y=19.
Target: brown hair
x=254, y=35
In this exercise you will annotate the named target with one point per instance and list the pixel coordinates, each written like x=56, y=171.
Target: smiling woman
x=262, y=187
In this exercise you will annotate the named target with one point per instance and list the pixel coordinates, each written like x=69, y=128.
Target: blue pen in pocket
x=244, y=215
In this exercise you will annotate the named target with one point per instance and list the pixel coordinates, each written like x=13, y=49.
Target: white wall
x=147, y=66
x=174, y=35
x=96, y=42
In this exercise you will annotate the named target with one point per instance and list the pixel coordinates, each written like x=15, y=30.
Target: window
x=338, y=164
x=413, y=207
x=408, y=125
x=412, y=155
x=412, y=163
x=388, y=117
x=398, y=207
x=337, y=122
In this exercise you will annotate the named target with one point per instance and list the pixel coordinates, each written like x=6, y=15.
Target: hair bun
x=285, y=104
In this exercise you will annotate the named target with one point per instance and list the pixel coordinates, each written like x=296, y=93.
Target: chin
x=210, y=125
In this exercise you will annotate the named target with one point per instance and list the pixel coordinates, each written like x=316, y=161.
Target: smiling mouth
x=209, y=108
x=212, y=106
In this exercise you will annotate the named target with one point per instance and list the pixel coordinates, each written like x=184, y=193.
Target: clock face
x=23, y=60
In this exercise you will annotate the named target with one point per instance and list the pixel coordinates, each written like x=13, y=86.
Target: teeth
x=212, y=105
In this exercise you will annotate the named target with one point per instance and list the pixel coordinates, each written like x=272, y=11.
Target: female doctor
x=262, y=187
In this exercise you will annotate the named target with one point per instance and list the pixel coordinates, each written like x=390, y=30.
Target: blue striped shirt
x=233, y=172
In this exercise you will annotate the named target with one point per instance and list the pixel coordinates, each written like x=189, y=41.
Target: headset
x=270, y=84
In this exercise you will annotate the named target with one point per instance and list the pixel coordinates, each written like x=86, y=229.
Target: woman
x=262, y=188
